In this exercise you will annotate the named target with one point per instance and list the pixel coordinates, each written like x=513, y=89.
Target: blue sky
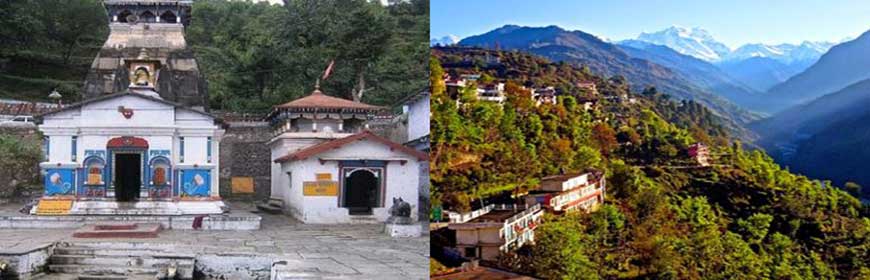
x=733, y=22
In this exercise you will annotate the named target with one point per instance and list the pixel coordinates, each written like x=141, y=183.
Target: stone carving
x=400, y=213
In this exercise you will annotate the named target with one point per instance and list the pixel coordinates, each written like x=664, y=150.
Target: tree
x=605, y=138
x=561, y=250
x=853, y=188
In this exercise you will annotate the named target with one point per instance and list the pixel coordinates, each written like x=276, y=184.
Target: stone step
x=184, y=271
x=113, y=277
x=102, y=270
x=121, y=252
x=269, y=208
x=144, y=261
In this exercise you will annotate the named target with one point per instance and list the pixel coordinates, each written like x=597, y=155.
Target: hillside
x=843, y=65
x=582, y=49
x=742, y=218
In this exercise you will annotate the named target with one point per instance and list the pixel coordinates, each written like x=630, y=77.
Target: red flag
x=328, y=70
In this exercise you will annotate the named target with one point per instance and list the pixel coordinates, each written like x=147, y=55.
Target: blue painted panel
x=195, y=182
x=59, y=181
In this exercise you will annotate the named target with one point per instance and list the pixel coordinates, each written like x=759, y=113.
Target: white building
x=502, y=229
x=131, y=147
x=416, y=108
x=327, y=168
x=565, y=193
x=492, y=93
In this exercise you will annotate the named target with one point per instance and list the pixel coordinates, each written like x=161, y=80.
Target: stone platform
x=239, y=221
x=118, y=231
x=144, y=208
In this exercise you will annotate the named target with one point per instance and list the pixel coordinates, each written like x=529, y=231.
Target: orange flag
x=328, y=70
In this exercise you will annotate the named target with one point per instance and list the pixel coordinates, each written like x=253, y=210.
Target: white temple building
x=157, y=155
x=327, y=168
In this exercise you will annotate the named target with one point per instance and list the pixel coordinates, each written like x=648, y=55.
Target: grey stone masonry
x=244, y=153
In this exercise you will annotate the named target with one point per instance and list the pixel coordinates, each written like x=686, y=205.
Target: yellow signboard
x=53, y=207
x=324, y=176
x=242, y=184
x=320, y=188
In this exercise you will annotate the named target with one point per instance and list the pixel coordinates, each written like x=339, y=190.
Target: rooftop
x=318, y=100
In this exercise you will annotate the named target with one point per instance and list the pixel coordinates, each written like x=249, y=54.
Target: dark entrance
x=361, y=192
x=128, y=176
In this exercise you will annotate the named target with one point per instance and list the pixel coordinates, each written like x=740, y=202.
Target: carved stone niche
x=143, y=73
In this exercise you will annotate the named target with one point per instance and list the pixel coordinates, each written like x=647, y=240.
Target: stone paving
x=337, y=251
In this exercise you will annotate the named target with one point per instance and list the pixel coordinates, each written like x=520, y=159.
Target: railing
x=520, y=215
x=455, y=217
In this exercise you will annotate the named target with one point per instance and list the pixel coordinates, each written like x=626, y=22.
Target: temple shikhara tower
x=146, y=47
x=140, y=143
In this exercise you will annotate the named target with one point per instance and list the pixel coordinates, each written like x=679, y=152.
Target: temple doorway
x=128, y=176
x=361, y=192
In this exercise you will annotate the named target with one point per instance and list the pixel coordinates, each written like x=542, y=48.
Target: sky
x=733, y=22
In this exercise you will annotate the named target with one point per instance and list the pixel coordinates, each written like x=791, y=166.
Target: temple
x=328, y=168
x=141, y=142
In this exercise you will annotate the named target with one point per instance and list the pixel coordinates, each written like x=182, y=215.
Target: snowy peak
x=785, y=53
x=694, y=42
x=444, y=41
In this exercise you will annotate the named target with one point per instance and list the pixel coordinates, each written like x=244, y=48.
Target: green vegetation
x=19, y=164
x=48, y=44
x=253, y=55
x=665, y=218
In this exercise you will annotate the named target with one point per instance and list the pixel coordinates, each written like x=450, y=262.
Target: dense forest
x=253, y=55
x=743, y=217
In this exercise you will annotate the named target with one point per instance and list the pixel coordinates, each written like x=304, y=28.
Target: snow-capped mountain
x=785, y=53
x=694, y=42
x=444, y=41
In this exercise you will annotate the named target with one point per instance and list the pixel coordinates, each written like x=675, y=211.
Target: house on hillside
x=588, y=87
x=570, y=192
x=700, y=153
x=544, y=95
x=493, y=92
x=502, y=229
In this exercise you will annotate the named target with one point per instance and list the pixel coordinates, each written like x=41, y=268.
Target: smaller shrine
x=328, y=168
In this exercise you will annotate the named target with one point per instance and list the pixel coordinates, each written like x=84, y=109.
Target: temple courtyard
x=283, y=248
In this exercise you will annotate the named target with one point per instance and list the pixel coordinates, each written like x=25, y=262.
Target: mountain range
x=694, y=42
x=447, y=40
x=843, y=65
x=828, y=138
x=758, y=66
x=601, y=57
x=701, y=72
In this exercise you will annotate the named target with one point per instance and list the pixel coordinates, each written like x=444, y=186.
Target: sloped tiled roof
x=24, y=109
x=337, y=143
x=318, y=100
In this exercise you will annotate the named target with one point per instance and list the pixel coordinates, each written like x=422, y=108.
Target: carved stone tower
x=146, y=48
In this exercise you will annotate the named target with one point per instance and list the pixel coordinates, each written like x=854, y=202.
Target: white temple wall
x=146, y=113
x=60, y=148
x=418, y=118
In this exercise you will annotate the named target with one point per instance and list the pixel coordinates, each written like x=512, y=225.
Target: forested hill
x=252, y=55
x=744, y=217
